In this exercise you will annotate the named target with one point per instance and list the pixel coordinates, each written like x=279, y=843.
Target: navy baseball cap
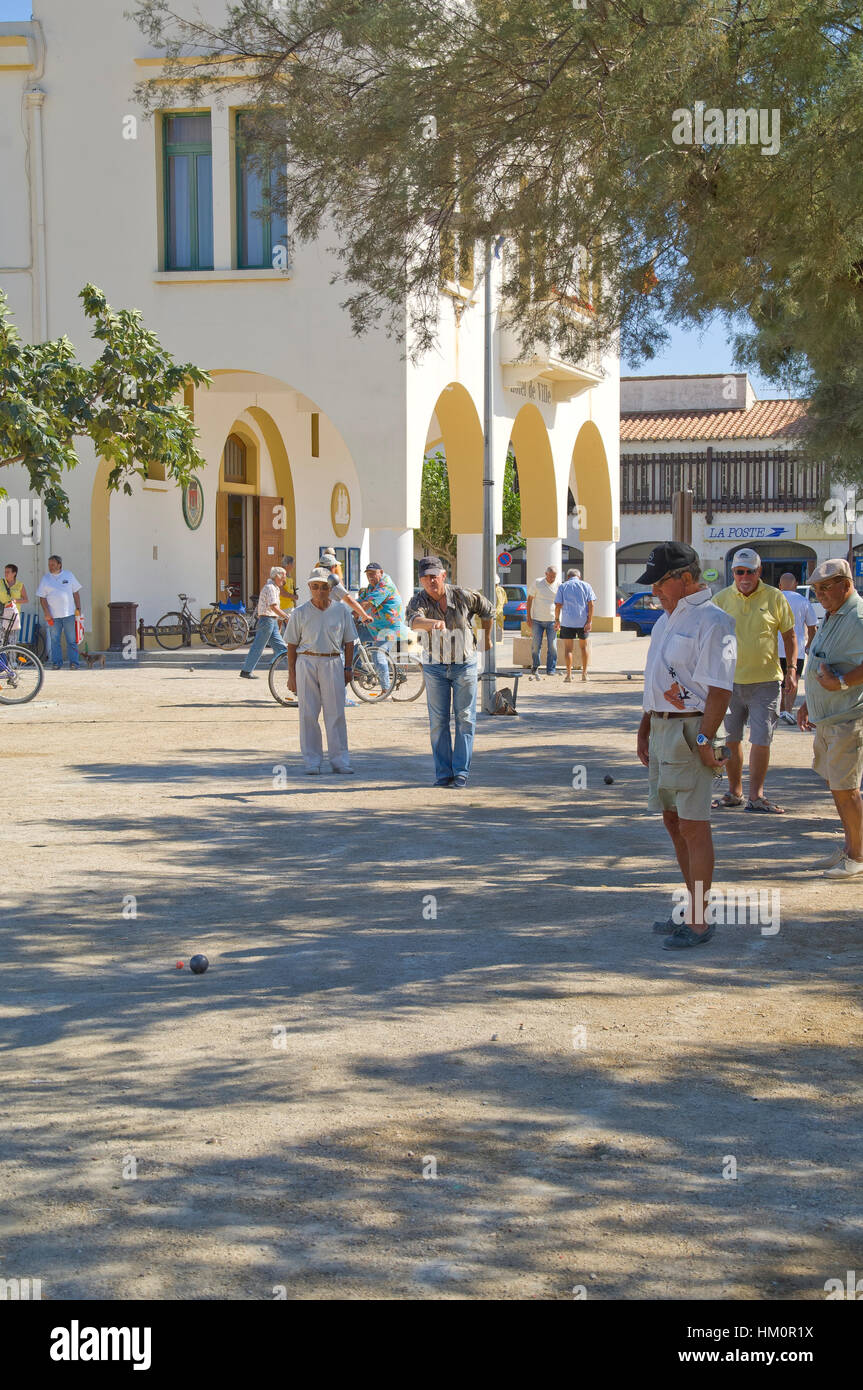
x=373, y=565
x=673, y=555
x=430, y=564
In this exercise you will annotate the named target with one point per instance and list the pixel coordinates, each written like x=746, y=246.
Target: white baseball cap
x=747, y=559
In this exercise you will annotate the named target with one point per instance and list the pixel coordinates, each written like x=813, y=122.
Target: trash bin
x=123, y=624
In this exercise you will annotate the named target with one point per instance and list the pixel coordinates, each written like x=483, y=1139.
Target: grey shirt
x=461, y=606
x=838, y=642
x=323, y=630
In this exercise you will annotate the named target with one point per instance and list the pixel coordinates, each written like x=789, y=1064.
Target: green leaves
x=126, y=402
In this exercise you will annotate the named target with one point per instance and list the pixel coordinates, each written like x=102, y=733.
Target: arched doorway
x=455, y=435
x=598, y=528
x=255, y=513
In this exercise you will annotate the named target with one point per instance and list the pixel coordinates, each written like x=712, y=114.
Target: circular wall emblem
x=193, y=503
x=340, y=509
x=710, y=575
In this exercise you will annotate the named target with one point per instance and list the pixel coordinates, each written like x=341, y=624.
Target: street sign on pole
x=504, y=559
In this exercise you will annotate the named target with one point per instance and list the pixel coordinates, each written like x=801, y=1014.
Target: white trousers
x=321, y=685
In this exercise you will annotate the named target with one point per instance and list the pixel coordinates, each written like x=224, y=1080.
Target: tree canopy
x=415, y=124
x=435, y=529
x=127, y=402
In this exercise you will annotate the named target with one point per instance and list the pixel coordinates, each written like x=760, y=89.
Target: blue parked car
x=515, y=608
x=639, y=611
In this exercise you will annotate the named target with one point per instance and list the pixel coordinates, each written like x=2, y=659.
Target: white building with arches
x=311, y=436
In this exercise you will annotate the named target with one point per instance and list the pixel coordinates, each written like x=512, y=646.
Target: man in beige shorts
x=834, y=707
x=688, y=681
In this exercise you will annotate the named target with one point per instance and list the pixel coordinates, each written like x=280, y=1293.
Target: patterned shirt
x=268, y=598
x=461, y=606
x=388, y=616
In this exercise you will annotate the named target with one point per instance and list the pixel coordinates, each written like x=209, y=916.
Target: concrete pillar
x=600, y=571
x=543, y=551
x=223, y=218
x=469, y=555
x=394, y=549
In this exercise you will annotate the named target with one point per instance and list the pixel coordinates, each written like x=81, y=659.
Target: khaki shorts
x=837, y=754
x=679, y=781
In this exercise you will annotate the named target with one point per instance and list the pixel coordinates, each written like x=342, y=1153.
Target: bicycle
x=410, y=681
x=365, y=679
x=217, y=629
x=21, y=671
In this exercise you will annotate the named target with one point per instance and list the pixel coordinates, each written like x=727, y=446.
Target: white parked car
x=808, y=592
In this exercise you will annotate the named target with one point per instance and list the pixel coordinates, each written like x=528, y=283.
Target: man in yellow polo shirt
x=760, y=612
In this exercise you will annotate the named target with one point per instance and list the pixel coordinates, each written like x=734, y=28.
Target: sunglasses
x=744, y=571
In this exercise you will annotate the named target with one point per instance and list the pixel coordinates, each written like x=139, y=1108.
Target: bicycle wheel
x=365, y=680
x=21, y=675
x=173, y=630
x=230, y=630
x=205, y=627
x=410, y=679
x=278, y=678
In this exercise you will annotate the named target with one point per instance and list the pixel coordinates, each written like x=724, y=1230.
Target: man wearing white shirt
x=541, y=616
x=688, y=680
x=805, y=623
x=60, y=593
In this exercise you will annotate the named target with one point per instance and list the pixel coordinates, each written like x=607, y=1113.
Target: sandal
x=726, y=802
x=762, y=804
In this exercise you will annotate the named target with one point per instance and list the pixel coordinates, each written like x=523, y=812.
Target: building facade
x=740, y=457
x=310, y=435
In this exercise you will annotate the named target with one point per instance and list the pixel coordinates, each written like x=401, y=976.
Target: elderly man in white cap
x=317, y=633
x=761, y=614
x=834, y=707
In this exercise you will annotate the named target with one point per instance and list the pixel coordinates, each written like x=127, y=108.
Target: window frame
x=170, y=151
x=240, y=209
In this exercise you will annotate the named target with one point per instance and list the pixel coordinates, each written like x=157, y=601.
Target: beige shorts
x=679, y=781
x=837, y=754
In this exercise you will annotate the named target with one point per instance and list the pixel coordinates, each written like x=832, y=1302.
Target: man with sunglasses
x=688, y=681
x=834, y=707
x=761, y=614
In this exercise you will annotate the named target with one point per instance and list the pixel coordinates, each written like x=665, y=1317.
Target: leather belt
x=318, y=653
x=677, y=714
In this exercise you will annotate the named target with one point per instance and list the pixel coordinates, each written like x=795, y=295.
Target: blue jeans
x=551, y=646
x=66, y=626
x=266, y=631
x=451, y=686
x=374, y=645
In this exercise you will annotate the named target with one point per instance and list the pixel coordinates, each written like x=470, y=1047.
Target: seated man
x=381, y=600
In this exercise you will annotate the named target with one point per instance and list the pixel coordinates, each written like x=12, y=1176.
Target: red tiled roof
x=763, y=420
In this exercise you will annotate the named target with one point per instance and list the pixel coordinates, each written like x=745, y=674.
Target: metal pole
x=488, y=533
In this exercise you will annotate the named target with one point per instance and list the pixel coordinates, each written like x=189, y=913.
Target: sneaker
x=444, y=782
x=57, y=666
x=313, y=771
x=247, y=676
x=461, y=781
x=846, y=868
x=345, y=771
x=684, y=936
x=838, y=853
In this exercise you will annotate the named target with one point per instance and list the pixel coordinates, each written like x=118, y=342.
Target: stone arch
x=541, y=510
x=460, y=432
x=592, y=485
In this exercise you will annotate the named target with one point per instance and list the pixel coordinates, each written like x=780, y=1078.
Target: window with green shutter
x=262, y=234
x=188, y=191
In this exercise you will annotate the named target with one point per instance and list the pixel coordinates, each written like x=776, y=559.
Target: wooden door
x=221, y=546
x=269, y=539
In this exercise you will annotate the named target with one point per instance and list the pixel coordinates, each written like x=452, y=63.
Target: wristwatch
x=702, y=740
x=843, y=684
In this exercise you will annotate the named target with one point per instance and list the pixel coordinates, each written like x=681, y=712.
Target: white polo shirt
x=543, y=595
x=695, y=647
x=59, y=589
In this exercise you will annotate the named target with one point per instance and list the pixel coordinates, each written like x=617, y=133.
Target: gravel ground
x=438, y=1052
